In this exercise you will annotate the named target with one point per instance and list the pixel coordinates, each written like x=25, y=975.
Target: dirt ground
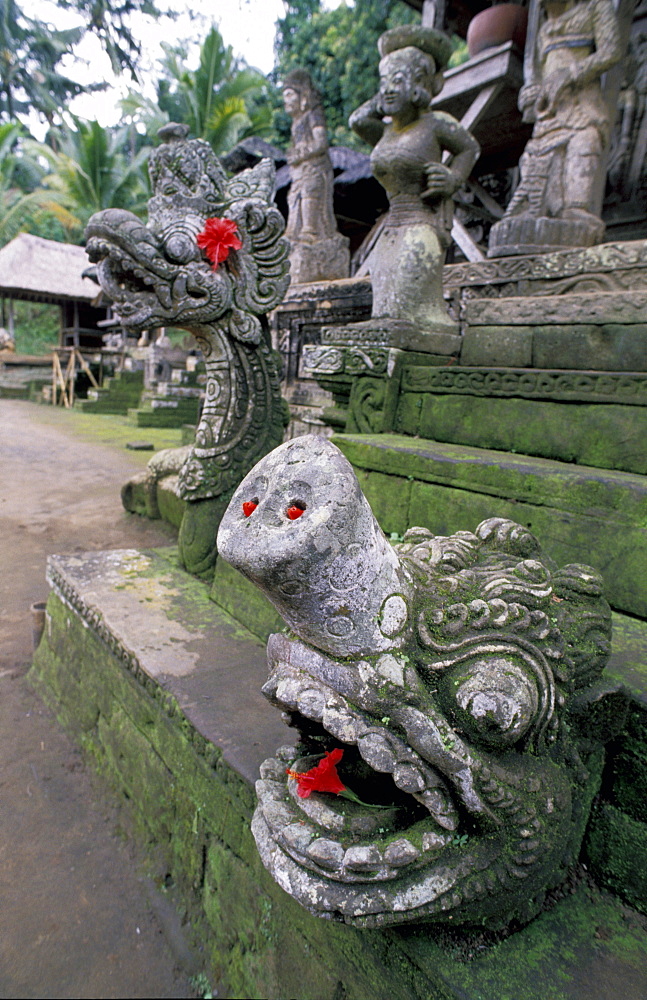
x=78, y=918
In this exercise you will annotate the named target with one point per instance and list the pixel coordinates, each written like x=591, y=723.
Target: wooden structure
x=63, y=379
x=32, y=268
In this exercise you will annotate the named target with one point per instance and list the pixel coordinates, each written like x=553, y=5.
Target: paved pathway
x=77, y=916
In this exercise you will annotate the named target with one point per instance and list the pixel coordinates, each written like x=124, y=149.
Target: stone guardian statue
x=454, y=681
x=553, y=208
x=409, y=142
x=211, y=260
x=318, y=251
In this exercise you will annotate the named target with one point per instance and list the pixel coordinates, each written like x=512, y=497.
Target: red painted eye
x=293, y=512
x=249, y=507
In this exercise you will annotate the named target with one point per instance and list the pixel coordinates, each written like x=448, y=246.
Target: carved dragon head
x=156, y=275
x=453, y=672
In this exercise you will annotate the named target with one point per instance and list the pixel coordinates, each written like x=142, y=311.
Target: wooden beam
x=461, y=236
x=480, y=105
x=486, y=199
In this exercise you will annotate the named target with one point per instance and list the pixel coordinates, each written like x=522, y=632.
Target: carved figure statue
x=158, y=275
x=554, y=206
x=443, y=692
x=318, y=251
x=405, y=263
x=627, y=173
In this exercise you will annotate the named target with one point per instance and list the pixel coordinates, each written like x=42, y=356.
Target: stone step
x=580, y=514
x=626, y=307
x=166, y=411
x=118, y=394
x=163, y=690
x=525, y=411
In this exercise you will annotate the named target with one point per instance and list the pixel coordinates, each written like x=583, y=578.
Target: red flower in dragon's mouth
x=218, y=237
x=322, y=778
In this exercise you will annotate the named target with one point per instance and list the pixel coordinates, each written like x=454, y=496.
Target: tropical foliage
x=90, y=168
x=222, y=100
x=30, y=54
x=339, y=49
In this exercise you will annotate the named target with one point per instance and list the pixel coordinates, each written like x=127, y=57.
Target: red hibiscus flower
x=322, y=778
x=218, y=237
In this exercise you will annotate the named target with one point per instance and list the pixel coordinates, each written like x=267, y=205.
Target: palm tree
x=21, y=197
x=222, y=101
x=91, y=168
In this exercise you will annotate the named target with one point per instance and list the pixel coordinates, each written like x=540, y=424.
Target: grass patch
x=108, y=429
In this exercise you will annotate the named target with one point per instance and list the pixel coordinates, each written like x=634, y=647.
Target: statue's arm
x=607, y=52
x=317, y=145
x=444, y=180
x=367, y=121
x=608, y=49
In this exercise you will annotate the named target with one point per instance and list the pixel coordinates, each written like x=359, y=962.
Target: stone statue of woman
x=319, y=252
x=409, y=139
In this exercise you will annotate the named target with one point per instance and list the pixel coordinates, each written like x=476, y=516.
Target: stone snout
x=300, y=528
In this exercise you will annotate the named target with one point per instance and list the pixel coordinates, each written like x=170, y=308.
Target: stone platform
x=162, y=688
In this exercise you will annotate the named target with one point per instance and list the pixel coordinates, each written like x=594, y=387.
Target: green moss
x=106, y=429
x=170, y=506
x=604, y=436
x=562, y=955
x=616, y=848
x=244, y=601
x=192, y=811
x=580, y=515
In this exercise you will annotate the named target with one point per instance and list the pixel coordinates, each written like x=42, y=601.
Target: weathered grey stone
x=396, y=333
x=555, y=204
x=401, y=852
x=449, y=687
x=613, y=347
x=157, y=275
x=562, y=310
x=326, y=853
x=330, y=586
x=406, y=259
x=318, y=252
x=498, y=345
x=362, y=859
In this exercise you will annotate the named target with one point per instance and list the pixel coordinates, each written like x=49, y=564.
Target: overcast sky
x=246, y=25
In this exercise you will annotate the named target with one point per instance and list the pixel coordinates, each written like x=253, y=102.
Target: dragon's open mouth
x=403, y=828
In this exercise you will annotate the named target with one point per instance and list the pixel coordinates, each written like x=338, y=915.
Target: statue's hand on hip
x=441, y=182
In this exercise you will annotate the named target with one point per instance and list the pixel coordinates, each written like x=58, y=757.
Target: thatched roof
x=34, y=268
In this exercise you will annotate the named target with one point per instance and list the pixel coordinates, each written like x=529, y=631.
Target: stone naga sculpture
x=318, y=252
x=450, y=679
x=554, y=205
x=158, y=275
x=405, y=263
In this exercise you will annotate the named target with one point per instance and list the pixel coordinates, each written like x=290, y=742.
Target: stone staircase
x=118, y=394
x=540, y=417
x=170, y=403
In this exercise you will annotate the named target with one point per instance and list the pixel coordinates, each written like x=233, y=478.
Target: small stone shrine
x=454, y=677
x=554, y=206
x=318, y=251
x=213, y=261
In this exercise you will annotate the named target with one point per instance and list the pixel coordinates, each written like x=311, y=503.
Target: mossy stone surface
x=170, y=504
x=162, y=739
x=244, y=602
x=616, y=852
x=605, y=436
x=579, y=514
